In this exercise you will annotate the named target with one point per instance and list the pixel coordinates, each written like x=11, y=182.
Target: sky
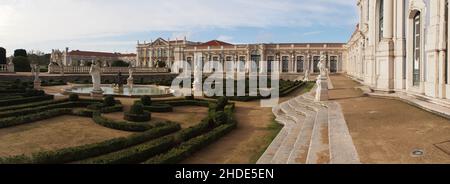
x=117, y=25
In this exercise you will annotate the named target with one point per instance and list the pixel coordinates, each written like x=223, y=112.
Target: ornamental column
x=385, y=53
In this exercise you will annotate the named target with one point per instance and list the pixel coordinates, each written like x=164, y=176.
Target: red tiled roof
x=216, y=43
x=98, y=54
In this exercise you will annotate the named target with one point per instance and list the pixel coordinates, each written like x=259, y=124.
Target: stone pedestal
x=37, y=85
x=97, y=95
x=322, y=89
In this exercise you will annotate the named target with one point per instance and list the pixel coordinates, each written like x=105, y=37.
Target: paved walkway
x=388, y=130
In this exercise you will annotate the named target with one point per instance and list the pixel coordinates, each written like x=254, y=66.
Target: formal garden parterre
x=151, y=142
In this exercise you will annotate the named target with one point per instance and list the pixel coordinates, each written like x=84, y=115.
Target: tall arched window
x=417, y=49
x=381, y=20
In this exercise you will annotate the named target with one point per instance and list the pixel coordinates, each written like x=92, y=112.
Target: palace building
x=81, y=58
x=402, y=46
x=293, y=58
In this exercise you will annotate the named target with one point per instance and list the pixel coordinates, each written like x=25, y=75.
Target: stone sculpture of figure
x=95, y=72
x=35, y=71
x=306, y=78
x=322, y=65
x=130, y=71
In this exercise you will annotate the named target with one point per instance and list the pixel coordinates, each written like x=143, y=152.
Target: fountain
x=130, y=80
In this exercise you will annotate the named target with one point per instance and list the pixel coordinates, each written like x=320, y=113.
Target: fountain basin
x=137, y=91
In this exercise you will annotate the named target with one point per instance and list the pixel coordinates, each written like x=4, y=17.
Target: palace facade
x=81, y=58
x=402, y=46
x=293, y=58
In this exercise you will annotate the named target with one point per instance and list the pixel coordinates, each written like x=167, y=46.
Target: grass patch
x=272, y=131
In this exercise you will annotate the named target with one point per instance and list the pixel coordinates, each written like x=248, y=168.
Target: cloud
x=25, y=22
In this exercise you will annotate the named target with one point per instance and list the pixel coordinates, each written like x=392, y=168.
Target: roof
x=213, y=43
x=99, y=54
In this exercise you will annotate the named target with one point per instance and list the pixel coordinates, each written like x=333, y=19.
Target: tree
x=20, y=52
x=119, y=63
x=38, y=57
x=21, y=64
x=2, y=55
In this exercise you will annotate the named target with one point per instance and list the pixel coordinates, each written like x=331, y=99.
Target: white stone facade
x=402, y=46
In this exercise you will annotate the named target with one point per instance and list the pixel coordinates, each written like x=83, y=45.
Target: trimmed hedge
x=32, y=110
x=92, y=150
x=134, y=154
x=186, y=149
x=159, y=108
x=25, y=100
x=19, y=120
x=121, y=125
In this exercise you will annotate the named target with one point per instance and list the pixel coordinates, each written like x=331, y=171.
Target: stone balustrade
x=6, y=68
x=106, y=70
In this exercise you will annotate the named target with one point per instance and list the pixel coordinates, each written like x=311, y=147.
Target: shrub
x=21, y=64
x=137, y=108
x=74, y=97
x=33, y=92
x=19, y=101
x=109, y=101
x=137, y=114
x=119, y=63
x=220, y=118
x=146, y=100
x=121, y=125
x=221, y=103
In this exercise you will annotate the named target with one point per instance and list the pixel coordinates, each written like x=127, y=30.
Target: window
x=285, y=63
x=333, y=64
x=381, y=20
x=316, y=60
x=270, y=60
x=417, y=50
x=300, y=63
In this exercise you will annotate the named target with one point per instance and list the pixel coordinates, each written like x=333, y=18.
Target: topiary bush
x=109, y=101
x=146, y=100
x=73, y=97
x=137, y=114
x=221, y=103
x=220, y=118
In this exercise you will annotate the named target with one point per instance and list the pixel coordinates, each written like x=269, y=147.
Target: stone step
x=342, y=149
x=301, y=146
x=289, y=111
x=319, y=152
x=284, y=151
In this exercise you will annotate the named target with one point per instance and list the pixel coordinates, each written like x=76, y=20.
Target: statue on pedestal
x=35, y=71
x=130, y=80
x=118, y=86
x=322, y=80
x=95, y=72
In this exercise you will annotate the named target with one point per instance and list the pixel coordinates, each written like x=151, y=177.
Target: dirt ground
x=55, y=133
x=387, y=131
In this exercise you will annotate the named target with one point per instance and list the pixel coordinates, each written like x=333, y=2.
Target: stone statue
x=35, y=71
x=322, y=80
x=118, y=86
x=306, y=78
x=130, y=80
x=95, y=72
x=322, y=65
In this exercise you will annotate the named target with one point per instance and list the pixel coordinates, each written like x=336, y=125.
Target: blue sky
x=116, y=25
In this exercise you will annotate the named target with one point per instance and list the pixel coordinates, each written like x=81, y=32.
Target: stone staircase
x=313, y=133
